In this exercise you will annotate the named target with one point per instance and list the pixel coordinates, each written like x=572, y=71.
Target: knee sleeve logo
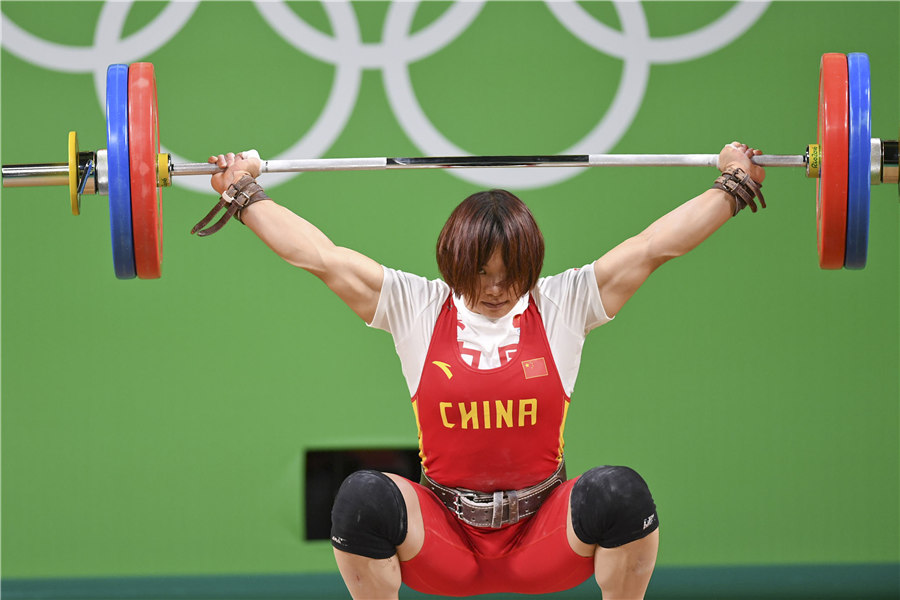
x=338, y=540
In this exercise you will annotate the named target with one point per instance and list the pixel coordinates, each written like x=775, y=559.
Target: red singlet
x=488, y=430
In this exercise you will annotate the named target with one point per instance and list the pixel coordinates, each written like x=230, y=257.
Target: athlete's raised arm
x=622, y=270
x=355, y=278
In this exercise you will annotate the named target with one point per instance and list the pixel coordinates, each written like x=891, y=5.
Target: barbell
x=845, y=161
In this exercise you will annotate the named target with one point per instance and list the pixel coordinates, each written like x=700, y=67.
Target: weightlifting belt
x=485, y=509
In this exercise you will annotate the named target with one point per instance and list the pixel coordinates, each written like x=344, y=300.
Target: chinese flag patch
x=534, y=367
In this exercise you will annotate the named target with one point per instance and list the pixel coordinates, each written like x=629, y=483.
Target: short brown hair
x=482, y=223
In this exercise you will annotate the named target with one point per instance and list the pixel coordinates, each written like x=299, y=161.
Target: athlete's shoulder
x=412, y=286
x=556, y=288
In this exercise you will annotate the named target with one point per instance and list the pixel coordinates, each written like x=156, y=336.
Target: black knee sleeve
x=369, y=515
x=612, y=506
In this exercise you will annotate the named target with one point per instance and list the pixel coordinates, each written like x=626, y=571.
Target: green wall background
x=158, y=427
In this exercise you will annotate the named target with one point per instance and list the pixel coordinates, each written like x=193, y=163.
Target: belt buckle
x=477, y=504
x=457, y=507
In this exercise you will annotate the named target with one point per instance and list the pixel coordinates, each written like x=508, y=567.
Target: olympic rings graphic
x=393, y=55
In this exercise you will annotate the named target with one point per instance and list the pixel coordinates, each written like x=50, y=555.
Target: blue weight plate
x=858, y=176
x=119, y=171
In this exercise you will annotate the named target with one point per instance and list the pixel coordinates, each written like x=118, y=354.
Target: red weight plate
x=143, y=146
x=834, y=140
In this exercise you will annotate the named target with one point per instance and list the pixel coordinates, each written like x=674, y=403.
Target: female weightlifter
x=490, y=354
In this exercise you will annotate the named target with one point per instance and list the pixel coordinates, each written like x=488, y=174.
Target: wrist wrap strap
x=737, y=183
x=237, y=197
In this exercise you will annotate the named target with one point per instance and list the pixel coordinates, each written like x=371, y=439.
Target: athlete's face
x=495, y=298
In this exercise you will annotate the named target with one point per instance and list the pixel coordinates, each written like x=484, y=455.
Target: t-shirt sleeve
x=570, y=307
x=408, y=307
x=574, y=300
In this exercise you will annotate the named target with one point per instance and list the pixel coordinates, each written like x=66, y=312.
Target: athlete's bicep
x=355, y=278
x=621, y=271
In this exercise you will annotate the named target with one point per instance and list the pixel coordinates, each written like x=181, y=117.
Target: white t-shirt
x=569, y=304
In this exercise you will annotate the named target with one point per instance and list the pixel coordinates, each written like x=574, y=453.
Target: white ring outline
x=80, y=59
x=701, y=42
x=603, y=136
x=344, y=90
x=394, y=54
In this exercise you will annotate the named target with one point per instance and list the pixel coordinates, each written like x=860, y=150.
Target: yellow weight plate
x=74, y=196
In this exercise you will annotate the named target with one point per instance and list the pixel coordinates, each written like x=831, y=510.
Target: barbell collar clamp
x=102, y=172
x=87, y=172
x=813, y=159
x=890, y=162
x=163, y=170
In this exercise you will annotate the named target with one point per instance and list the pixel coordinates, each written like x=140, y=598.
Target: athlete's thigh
x=446, y=563
x=415, y=530
x=542, y=559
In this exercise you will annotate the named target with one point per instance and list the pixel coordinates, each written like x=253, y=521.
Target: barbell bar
x=845, y=161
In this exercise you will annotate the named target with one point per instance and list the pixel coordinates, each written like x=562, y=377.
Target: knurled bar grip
x=447, y=162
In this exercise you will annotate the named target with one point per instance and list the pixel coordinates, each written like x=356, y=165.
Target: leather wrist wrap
x=737, y=183
x=237, y=197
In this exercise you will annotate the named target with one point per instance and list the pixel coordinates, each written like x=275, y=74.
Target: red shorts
x=532, y=556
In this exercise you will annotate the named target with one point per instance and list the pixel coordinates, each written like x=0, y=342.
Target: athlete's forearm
x=289, y=235
x=686, y=227
x=622, y=270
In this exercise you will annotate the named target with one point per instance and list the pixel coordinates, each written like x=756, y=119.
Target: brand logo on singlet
x=444, y=367
x=489, y=414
